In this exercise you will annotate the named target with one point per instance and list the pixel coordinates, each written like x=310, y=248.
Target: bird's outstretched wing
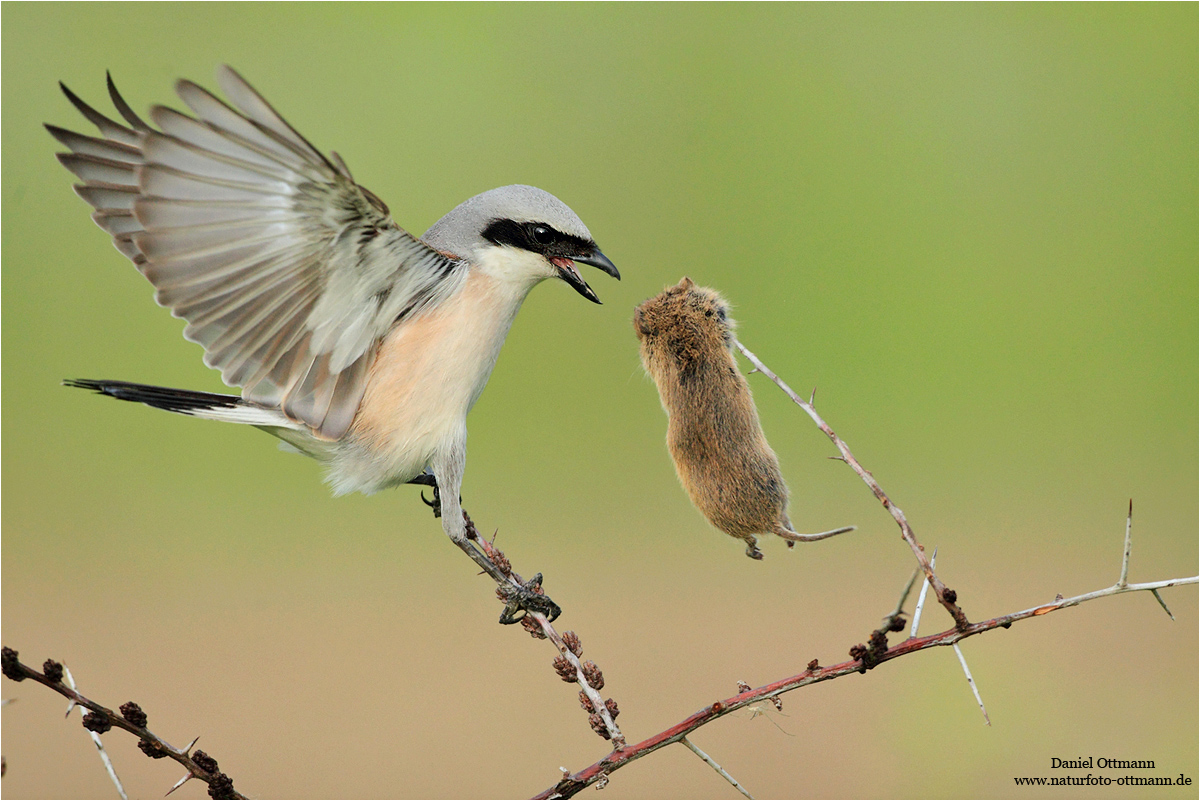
x=287, y=271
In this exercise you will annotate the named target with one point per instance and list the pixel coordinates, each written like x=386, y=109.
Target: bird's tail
x=207, y=405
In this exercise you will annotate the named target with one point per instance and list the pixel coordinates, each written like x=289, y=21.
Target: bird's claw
x=428, y=480
x=528, y=598
x=435, y=504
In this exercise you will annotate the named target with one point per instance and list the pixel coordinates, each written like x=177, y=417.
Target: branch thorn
x=1128, y=547
x=971, y=681
x=916, y=621
x=180, y=783
x=71, y=684
x=1161, y=603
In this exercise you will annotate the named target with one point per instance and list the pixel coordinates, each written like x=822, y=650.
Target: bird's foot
x=428, y=480
x=528, y=598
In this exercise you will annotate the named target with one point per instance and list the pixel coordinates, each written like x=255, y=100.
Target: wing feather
x=117, y=222
x=287, y=272
x=108, y=197
x=155, y=213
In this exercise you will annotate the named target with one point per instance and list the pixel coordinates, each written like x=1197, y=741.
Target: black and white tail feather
x=207, y=405
x=213, y=406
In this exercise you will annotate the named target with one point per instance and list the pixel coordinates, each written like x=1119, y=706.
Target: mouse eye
x=721, y=313
x=542, y=235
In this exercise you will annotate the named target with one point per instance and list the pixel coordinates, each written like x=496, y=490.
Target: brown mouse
x=721, y=454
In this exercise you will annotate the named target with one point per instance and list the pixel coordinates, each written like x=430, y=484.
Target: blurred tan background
x=972, y=227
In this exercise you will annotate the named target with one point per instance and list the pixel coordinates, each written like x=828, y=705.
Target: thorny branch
x=601, y=713
x=572, y=784
x=947, y=597
x=864, y=657
x=131, y=718
x=99, y=743
x=517, y=593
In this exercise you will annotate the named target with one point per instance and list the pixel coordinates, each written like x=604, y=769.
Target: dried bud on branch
x=52, y=670
x=533, y=627
x=564, y=668
x=152, y=750
x=501, y=562
x=205, y=762
x=10, y=665
x=221, y=787
x=134, y=714
x=94, y=721
x=593, y=675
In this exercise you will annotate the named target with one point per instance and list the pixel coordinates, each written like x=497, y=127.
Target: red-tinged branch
x=946, y=597
x=572, y=784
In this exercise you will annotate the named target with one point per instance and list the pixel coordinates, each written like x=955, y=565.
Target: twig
x=100, y=719
x=586, y=675
x=572, y=784
x=903, y=597
x=948, y=598
x=108, y=765
x=712, y=764
x=869, y=654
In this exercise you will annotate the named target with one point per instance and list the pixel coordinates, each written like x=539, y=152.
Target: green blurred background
x=974, y=228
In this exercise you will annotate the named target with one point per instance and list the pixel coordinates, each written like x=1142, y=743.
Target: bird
x=721, y=455
x=353, y=341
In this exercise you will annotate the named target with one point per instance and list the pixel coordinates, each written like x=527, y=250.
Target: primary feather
x=287, y=272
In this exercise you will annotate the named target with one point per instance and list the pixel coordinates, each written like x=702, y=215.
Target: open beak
x=568, y=272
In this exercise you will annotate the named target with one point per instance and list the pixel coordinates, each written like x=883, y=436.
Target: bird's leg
x=448, y=468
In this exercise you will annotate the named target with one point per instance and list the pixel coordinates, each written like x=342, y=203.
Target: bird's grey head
x=526, y=218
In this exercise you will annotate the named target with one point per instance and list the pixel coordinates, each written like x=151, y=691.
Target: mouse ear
x=686, y=283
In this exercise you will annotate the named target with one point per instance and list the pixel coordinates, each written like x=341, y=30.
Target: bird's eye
x=542, y=235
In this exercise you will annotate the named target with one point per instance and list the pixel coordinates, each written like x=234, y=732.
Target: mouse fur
x=714, y=436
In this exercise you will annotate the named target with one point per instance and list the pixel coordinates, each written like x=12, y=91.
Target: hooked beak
x=569, y=273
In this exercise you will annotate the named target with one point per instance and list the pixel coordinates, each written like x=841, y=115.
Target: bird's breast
x=428, y=373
